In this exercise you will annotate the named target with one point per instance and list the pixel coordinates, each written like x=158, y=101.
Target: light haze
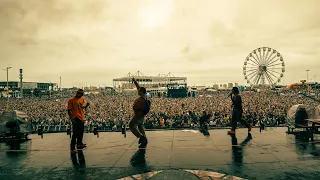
x=205, y=40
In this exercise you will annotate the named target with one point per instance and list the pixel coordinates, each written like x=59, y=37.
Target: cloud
x=25, y=21
x=206, y=41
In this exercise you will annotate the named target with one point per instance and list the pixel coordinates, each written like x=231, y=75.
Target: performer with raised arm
x=237, y=112
x=141, y=108
x=76, y=114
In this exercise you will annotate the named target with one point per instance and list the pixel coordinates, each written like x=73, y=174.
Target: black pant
x=237, y=117
x=77, y=136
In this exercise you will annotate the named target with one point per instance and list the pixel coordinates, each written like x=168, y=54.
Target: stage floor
x=271, y=154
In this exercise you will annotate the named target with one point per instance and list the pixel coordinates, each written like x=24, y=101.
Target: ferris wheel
x=264, y=66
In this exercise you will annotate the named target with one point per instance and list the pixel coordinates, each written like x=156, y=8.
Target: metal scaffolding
x=153, y=84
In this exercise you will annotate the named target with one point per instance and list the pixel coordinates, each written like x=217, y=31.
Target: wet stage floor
x=271, y=154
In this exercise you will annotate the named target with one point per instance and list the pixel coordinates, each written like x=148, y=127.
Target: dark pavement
x=177, y=154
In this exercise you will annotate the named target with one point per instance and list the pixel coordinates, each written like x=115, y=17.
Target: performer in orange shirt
x=76, y=114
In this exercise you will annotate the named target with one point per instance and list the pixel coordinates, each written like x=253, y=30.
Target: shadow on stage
x=138, y=160
x=18, y=150
x=78, y=159
x=205, y=132
x=237, y=149
x=304, y=146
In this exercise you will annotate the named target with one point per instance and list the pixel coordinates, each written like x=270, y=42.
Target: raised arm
x=136, y=83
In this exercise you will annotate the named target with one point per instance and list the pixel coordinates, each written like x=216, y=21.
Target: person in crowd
x=111, y=109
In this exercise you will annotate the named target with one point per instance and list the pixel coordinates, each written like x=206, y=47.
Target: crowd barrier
x=63, y=128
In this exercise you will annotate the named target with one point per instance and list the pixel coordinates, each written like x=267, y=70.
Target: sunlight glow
x=156, y=13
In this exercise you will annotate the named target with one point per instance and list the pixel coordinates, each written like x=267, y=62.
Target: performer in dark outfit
x=141, y=108
x=237, y=112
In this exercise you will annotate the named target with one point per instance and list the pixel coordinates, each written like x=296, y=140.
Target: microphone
x=230, y=94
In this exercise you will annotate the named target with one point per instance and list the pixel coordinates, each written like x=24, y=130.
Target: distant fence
x=63, y=128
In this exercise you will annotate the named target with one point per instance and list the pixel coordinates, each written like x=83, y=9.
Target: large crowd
x=116, y=110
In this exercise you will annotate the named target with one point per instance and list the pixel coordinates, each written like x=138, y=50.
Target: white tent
x=313, y=112
x=21, y=115
x=15, y=117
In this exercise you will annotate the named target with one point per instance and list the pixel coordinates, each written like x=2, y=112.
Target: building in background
x=26, y=85
x=91, y=88
x=230, y=85
x=215, y=86
x=29, y=88
x=155, y=85
x=29, y=85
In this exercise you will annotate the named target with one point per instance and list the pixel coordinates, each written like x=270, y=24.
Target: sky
x=92, y=42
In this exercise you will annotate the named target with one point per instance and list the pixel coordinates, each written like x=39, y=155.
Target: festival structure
x=264, y=67
x=155, y=85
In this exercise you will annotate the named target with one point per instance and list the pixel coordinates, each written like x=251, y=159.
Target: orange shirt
x=76, y=106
